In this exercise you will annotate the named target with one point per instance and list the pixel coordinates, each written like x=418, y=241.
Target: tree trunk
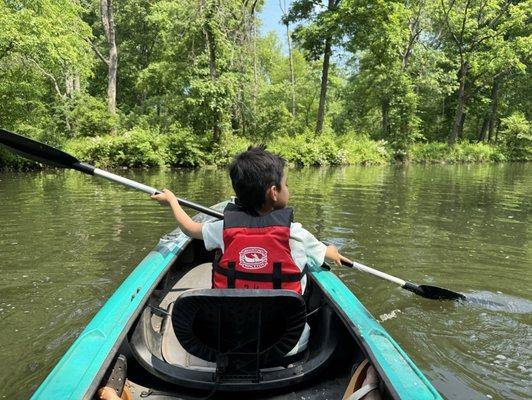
x=72, y=84
x=211, y=49
x=462, y=123
x=255, y=73
x=284, y=10
x=325, y=75
x=110, y=34
x=292, y=74
x=235, y=118
x=77, y=83
x=460, y=107
x=483, y=136
x=493, y=109
x=488, y=126
x=497, y=124
x=385, y=111
x=69, y=85
x=324, y=84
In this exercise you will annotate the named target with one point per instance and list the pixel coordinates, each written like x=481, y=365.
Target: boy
x=257, y=236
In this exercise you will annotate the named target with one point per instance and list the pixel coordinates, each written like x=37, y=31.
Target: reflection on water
x=68, y=240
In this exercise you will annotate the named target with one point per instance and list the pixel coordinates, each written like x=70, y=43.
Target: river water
x=67, y=241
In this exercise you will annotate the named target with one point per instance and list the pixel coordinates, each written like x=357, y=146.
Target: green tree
x=44, y=61
x=385, y=38
x=196, y=69
x=199, y=73
x=478, y=40
x=317, y=37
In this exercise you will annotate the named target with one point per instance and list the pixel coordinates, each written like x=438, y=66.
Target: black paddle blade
x=433, y=292
x=36, y=151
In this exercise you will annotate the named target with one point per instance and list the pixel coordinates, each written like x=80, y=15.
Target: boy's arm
x=189, y=227
x=316, y=250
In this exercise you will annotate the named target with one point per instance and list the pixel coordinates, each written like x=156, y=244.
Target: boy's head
x=258, y=179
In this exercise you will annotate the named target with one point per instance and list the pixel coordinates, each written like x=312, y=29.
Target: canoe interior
x=144, y=346
x=130, y=326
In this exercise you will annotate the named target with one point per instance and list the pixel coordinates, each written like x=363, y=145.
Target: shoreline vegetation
x=140, y=148
x=146, y=83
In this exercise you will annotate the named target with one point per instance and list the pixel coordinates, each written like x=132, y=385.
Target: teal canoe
x=164, y=334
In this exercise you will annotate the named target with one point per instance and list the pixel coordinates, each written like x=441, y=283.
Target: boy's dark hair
x=252, y=173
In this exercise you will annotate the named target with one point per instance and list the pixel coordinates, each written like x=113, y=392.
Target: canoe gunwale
x=94, y=386
x=319, y=277
x=357, y=336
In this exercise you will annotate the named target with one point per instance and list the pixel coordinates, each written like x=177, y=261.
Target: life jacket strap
x=277, y=278
x=231, y=274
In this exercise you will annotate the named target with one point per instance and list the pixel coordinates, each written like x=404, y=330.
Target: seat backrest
x=239, y=329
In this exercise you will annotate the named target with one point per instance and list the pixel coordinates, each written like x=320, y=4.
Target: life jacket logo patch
x=253, y=257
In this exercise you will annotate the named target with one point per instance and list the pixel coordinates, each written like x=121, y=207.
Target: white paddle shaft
x=148, y=189
x=377, y=273
x=125, y=181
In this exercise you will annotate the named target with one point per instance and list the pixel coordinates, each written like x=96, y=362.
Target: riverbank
x=140, y=147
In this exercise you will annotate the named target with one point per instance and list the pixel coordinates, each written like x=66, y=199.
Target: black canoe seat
x=241, y=330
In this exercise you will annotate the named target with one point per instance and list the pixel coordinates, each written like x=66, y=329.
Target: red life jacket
x=257, y=252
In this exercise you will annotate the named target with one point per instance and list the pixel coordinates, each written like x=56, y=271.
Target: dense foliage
x=189, y=83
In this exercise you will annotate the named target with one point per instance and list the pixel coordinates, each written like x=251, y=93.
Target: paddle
x=43, y=153
x=430, y=292
x=427, y=291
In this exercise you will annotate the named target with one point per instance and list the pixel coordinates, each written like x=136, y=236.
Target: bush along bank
x=181, y=148
x=462, y=152
x=142, y=147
